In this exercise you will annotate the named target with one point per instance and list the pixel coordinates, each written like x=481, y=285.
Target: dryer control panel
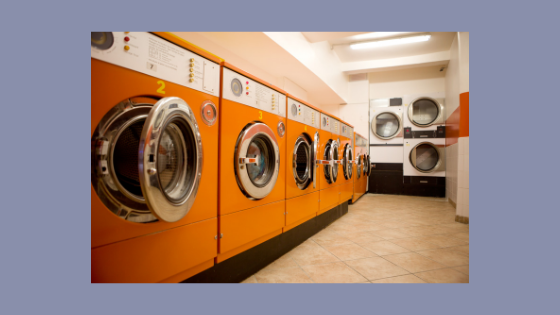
x=330, y=124
x=302, y=113
x=155, y=56
x=241, y=89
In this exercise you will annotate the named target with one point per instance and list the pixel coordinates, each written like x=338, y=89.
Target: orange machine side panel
x=348, y=191
x=235, y=117
x=301, y=207
x=329, y=198
x=155, y=257
x=293, y=130
x=110, y=85
x=324, y=137
x=246, y=226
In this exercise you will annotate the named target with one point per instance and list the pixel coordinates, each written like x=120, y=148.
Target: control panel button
x=126, y=47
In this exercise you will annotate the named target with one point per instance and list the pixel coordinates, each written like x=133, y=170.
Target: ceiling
x=440, y=41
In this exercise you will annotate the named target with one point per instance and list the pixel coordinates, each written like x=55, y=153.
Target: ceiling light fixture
x=391, y=42
x=376, y=35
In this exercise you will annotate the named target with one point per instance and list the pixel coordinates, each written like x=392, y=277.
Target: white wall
x=356, y=111
x=407, y=81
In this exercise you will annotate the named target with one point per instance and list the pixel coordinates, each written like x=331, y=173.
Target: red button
x=126, y=39
x=247, y=93
x=247, y=82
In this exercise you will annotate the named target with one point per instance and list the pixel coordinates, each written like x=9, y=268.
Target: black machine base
x=247, y=263
x=425, y=186
x=386, y=178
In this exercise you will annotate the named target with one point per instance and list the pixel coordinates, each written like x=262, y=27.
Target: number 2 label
x=162, y=86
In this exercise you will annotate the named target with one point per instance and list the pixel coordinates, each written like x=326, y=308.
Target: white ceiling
x=315, y=37
x=440, y=41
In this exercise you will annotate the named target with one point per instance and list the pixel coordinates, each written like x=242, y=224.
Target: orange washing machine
x=154, y=170
x=302, y=187
x=360, y=176
x=329, y=196
x=252, y=173
x=347, y=158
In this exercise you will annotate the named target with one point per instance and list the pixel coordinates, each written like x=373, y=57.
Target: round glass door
x=301, y=161
x=359, y=166
x=328, y=156
x=147, y=158
x=425, y=157
x=346, y=164
x=386, y=125
x=257, y=160
x=367, y=165
x=424, y=112
x=335, y=158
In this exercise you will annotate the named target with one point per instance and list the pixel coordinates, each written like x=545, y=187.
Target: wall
x=407, y=81
x=356, y=111
x=457, y=121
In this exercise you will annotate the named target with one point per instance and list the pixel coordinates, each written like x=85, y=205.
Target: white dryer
x=424, y=113
x=424, y=167
x=386, y=130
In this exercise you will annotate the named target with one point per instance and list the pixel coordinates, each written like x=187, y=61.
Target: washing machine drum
x=257, y=160
x=303, y=161
x=386, y=125
x=147, y=159
x=424, y=112
x=426, y=157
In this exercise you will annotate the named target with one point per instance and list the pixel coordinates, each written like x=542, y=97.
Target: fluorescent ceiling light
x=376, y=35
x=391, y=42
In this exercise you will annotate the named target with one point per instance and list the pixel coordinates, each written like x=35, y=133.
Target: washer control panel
x=330, y=124
x=346, y=131
x=302, y=113
x=241, y=89
x=154, y=56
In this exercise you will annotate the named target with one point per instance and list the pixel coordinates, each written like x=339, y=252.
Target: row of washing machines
x=195, y=160
x=407, y=134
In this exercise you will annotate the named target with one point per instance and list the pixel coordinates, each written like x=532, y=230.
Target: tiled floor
x=382, y=239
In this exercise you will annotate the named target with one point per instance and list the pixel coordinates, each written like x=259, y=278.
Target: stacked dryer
x=386, y=146
x=424, y=145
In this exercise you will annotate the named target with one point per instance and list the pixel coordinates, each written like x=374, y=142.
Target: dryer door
x=425, y=111
x=170, y=159
x=328, y=162
x=256, y=160
x=302, y=162
x=427, y=157
x=386, y=125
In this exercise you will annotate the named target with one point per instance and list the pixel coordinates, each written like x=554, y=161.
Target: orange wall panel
x=464, y=117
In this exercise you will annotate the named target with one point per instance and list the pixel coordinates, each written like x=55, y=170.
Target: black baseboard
x=386, y=178
x=425, y=186
x=247, y=263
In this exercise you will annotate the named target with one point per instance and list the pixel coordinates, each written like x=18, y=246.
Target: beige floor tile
x=463, y=269
x=313, y=256
x=443, y=276
x=391, y=234
x=442, y=240
x=463, y=250
x=399, y=223
x=400, y=279
x=251, y=279
x=414, y=244
x=413, y=262
x=333, y=273
x=461, y=236
x=286, y=275
x=384, y=248
x=361, y=237
x=446, y=257
x=376, y=268
x=283, y=262
x=338, y=240
x=350, y=252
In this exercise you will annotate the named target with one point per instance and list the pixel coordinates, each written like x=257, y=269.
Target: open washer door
x=170, y=159
x=347, y=161
x=367, y=165
x=257, y=160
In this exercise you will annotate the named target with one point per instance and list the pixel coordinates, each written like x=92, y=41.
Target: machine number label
x=305, y=128
x=260, y=114
x=160, y=90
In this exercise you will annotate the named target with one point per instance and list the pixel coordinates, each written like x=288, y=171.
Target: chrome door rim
x=374, y=124
x=435, y=121
x=250, y=132
x=314, y=165
x=302, y=183
x=334, y=171
x=328, y=155
x=413, y=154
x=368, y=165
x=171, y=205
x=347, y=166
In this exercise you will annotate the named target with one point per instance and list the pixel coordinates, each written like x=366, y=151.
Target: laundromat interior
x=280, y=157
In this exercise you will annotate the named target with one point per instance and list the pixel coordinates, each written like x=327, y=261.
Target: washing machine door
x=425, y=111
x=328, y=161
x=347, y=161
x=359, y=166
x=314, y=163
x=170, y=159
x=336, y=161
x=386, y=125
x=427, y=157
x=302, y=161
x=256, y=160
x=367, y=165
